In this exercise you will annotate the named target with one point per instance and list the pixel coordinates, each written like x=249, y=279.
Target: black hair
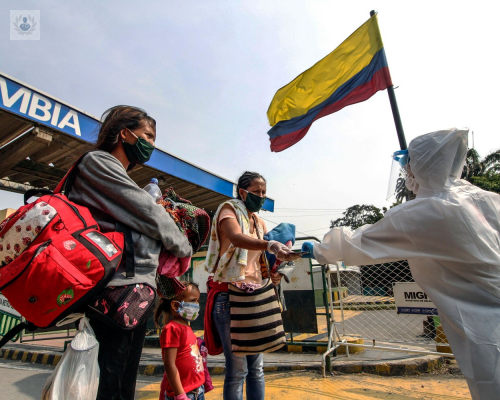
x=117, y=118
x=246, y=180
x=162, y=312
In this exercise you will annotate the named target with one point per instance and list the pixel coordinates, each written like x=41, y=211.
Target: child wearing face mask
x=184, y=375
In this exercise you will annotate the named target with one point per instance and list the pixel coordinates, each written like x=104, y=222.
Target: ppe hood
x=437, y=156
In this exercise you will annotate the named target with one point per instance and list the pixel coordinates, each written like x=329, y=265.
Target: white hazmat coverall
x=450, y=236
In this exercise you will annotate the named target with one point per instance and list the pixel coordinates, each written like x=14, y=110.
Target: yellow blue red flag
x=352, y=73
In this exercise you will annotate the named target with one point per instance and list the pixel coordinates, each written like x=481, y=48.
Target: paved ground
x=310, y=385
x=288, y=374
x=24, y=381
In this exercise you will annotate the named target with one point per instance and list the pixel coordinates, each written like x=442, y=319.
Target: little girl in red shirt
x=184, y=375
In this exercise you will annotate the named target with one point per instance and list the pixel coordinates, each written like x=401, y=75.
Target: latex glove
x=281, y=251
x=182, y=396
x=273, y=247
x=308, y=246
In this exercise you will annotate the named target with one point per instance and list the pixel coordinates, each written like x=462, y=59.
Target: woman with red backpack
x=126, y=138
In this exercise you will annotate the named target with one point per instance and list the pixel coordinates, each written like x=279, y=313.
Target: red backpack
x=53, y=258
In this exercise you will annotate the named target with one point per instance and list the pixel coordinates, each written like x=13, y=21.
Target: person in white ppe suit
x=450, y=236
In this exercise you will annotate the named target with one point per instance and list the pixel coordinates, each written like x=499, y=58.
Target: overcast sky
x=207, y=71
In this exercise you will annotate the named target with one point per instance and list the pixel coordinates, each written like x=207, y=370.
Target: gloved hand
x=274, y=247
x=281, y=251
x=308, y=246
x=182, y=396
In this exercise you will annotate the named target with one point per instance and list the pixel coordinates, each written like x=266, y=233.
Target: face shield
x=399, y=172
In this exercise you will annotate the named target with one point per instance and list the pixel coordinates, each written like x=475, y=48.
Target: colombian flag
x=352, y=73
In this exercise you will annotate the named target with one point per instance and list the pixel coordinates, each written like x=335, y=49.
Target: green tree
x=359, y=215
x=484, y=173
x=490, y=183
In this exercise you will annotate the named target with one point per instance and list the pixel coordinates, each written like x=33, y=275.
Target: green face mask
x=140, y=152
x=254, y=203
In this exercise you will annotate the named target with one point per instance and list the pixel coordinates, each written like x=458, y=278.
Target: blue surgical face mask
x=188, y=311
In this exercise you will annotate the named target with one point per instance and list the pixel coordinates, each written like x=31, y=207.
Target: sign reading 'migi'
x=28, y=103
x=411, y=299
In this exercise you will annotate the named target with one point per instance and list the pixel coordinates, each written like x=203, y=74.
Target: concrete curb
x=412, y=366
x=37, y=357
x=149, y=369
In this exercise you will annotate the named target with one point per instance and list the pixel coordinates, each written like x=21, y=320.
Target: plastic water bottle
x=153, y=189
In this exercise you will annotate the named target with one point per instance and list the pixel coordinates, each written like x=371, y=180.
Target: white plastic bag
x=76, y=376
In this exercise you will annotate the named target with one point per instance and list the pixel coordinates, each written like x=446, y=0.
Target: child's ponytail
x=162, y=312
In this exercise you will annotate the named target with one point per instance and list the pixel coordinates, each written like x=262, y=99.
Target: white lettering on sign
x=55, y=114
x=75, y=125
x=44, y=107
x=41, y=108
x=10, y=101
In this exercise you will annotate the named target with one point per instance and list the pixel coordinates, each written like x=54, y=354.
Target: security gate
x=365, y=308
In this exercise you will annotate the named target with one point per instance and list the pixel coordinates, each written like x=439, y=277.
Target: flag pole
x=395, y=109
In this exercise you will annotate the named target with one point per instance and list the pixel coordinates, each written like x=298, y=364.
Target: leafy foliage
x=359, y=215
x=483, y=173
x=490, y=183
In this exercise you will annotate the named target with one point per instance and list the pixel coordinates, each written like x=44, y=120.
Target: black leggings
x=119, y=357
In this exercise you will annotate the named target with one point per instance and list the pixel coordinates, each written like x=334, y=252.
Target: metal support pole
x=330, y=319
x=324, y=277
x=341, y=300
x=397, y=118
x=394, y=106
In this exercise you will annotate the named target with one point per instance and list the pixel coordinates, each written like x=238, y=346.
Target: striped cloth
x=256, y=324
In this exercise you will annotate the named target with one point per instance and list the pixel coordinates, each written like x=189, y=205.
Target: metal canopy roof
x=41, y=137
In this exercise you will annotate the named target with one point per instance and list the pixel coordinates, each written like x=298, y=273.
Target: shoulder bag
x=256, y=324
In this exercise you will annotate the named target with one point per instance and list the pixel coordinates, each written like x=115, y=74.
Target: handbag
x=124, y=307
x=256, y=324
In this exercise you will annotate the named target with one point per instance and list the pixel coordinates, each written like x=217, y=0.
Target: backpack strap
x=63, y=187
x=15, y=330
x=33, y=192
x=129, y=249
x=67, y=181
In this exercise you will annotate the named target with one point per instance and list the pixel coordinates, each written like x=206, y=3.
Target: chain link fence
x=364, y=305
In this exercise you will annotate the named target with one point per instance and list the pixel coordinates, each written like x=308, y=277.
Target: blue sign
x=32, y=105
x=417, y=310
x=41, y=109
